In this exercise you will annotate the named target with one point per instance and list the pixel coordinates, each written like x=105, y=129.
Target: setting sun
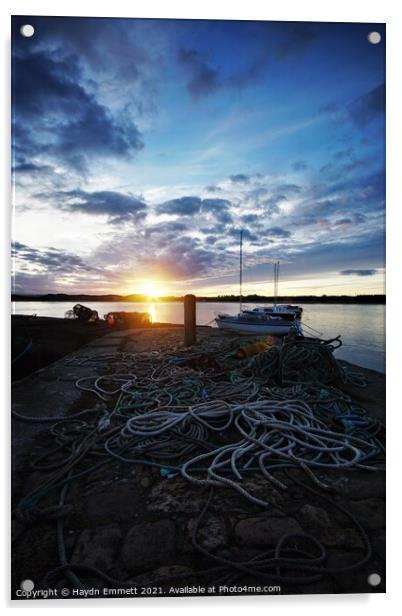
x=152, y=289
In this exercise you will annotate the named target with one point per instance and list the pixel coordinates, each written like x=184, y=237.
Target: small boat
x=275, y=320
x=285, y=310
x=128, y=319
x=250, y=322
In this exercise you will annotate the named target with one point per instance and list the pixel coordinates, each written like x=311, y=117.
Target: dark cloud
x=214, y=229
x=356, y=219
x=48, y=258
x=75, y=127
x=364, y=108
x=204, y=79
x=168, y=229
x=251, y=219
x=247, y=235
x=183, y=206
x=240, y=178
x=271, y=205
x=277, y=232
x=290, y=188
x=354, y=194
x=119, y=207
x=342, y=154
x=299, y=165
x=297, y=40
x=330, y=254
x=346, y=214
x=24, y=166
x=269, y=199
x=358, y=272
x=219, y=208
x=190, y=206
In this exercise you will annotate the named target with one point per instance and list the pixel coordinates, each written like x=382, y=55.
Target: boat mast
x=276, y=281
x=241, y=268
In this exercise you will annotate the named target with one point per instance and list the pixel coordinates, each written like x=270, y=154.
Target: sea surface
x=361, y=326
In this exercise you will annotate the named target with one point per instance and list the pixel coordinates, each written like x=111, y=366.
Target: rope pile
x=213, y=419
x=311, y=360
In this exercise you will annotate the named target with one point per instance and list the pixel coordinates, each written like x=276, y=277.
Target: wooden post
x=189, y=320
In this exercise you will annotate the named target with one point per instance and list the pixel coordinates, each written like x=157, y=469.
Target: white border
x=293, y=10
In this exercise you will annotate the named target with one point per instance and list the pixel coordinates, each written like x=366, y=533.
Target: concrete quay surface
x=135, y=524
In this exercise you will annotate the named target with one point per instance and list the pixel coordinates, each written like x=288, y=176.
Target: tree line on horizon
x=251, y=298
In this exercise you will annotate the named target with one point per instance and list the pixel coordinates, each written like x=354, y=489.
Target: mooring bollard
x=189, y=320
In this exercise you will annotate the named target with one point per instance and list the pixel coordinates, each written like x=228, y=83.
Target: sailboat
x=271, y=320
x=281, y=309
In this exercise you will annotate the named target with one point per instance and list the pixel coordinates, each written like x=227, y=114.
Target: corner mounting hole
x=374, y=579
x=27, y=585
x=374, y=38
x=27, y=30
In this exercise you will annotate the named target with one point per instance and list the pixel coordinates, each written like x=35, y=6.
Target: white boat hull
x=254, y=328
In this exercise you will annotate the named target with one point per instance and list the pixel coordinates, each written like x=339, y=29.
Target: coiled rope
x=213, y=419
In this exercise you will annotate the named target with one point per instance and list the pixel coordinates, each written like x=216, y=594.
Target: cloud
x=183, y=206
x=356, y=219
x=204, y=79
x=76, y=126
x=24, y=166
x=299, y=165
x=269, y=199
x=358, y=272
x=213, y=188
x=240, y=178
x=48, y=258
x=291, y=188
x=271, y=205
x=277, y=232
x=52, y=270
x=182, y=259
x=297, y=40
x=361, y=110
x=164, y=254
x=168, y=229
x=251, y=218
x=191, y=206
x=367, y=106
x=219, y=208
x=247, y=235
x=119, y=207
x=83, y=98
x=338, y=192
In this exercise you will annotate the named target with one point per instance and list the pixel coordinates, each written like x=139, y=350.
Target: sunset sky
x=142, y=147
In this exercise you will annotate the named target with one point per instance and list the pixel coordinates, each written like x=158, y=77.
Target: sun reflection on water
x=152, y=312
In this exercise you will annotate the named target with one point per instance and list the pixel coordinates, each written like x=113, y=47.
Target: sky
x=142, y=147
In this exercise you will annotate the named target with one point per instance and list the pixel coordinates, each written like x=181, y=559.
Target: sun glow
x=151, y=289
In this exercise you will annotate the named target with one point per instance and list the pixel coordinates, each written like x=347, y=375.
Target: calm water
x=362, y=327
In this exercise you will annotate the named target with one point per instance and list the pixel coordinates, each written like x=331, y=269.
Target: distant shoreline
x=251, y=299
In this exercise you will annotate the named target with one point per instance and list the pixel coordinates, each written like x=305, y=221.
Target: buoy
x=251, y=349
